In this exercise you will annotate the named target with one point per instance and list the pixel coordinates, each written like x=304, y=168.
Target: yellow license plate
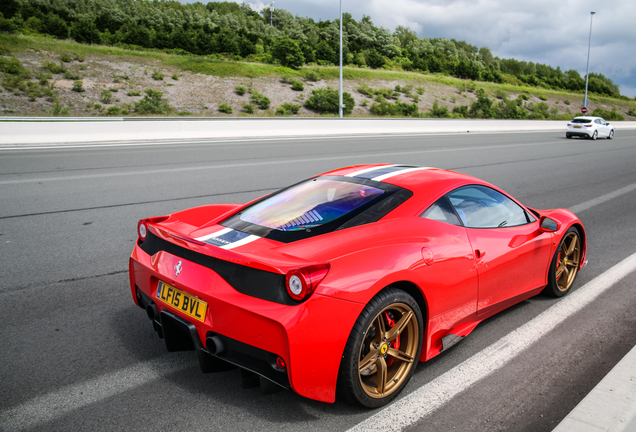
x=182, y=301
x=577, y=127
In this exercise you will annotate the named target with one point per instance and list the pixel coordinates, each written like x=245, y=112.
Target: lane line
x=56, y=404
x=426, y=399
x=261, y=163
x=602, y=199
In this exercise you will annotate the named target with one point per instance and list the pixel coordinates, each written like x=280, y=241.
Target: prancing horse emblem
x=177, y=269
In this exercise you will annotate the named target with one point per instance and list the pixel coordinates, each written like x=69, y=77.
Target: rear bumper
x=579, y=133
x=252, y=332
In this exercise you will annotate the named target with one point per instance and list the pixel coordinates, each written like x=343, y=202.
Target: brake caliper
x=395, y=343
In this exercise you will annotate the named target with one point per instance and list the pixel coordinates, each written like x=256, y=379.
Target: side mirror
x=607, y=123
x=549, y=225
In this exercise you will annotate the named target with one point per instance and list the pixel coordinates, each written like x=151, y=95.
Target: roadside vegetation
x=51, y=55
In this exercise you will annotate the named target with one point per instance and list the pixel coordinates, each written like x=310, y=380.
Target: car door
x=512, y=254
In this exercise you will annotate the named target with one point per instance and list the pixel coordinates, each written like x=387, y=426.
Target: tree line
x=237, y=31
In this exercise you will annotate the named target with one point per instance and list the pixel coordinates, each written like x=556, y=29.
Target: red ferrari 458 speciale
x=344, y=281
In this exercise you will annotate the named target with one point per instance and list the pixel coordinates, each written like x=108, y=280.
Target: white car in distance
x=589, y=127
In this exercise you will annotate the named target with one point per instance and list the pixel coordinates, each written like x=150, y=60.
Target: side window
x=482, y=207
x=441, y=211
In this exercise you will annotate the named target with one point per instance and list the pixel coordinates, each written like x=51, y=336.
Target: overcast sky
x=553, y=32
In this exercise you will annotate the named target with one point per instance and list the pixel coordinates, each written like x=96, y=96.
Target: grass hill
x=42, y=76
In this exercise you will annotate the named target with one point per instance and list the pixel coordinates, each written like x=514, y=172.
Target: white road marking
x=56, y=404
x=602, y=199
x=138, y=172
x=436, y=393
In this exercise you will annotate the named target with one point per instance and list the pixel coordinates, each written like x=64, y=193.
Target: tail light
x=588, y=125
x=569, y=124
x=302, y=282
x=142, y=229
x=142, y=225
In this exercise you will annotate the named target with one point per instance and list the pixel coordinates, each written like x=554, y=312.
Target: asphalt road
x=77, y=354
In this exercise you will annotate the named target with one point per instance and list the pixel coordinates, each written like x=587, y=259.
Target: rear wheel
x=595, y=135
x=568, y=135
x=565, y=264
x=382, y=350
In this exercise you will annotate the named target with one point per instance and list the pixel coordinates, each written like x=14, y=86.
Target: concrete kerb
x=21, y=133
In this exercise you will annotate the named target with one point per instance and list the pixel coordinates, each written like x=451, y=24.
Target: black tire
x=611, y=134
x=370, y=353
x=566, y=260
x=568, y=135
x=595, y=135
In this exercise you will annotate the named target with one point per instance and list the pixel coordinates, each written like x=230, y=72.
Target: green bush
x=366, y=90
x=133, y=93
x=420, y=90
x=632, y=112
x=383, y=108
x=288, y=109
x=543, y=98
x=153, y=103
x=157, y=76
x=175, y=77
x=13, y=66
x=239, y=90
x=297, y=86
x=509, y=109
x=439, y=111
x=79, y=57
x=261, y=100
x=184, y=113
x=500, y=94
x=312, y=75
x=608, y=115
x=249, y=108
x=113, y=110
x=225, y=108
x=107, y=97
x=325, y=100
x=54, y=68
x=58, y=109
x=70, y=75
x=288, y=52
x=78, y=86
x=66, y=58
x=566, y=101
x=460, y=111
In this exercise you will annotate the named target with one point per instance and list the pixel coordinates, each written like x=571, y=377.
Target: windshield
x=310, y=204
x=582, y=120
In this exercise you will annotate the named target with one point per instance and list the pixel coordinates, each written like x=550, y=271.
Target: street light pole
x=340, y=106
x=587, y=72
x=271, y=14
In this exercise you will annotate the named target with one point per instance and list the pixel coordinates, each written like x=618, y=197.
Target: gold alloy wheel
x=388, y=352
x=568, y=261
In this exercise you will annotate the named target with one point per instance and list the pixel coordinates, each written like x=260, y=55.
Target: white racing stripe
x=426, y=399
x=61, y=402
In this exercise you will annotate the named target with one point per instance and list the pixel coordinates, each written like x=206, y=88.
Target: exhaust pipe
x=214, y=345
x=152, y=312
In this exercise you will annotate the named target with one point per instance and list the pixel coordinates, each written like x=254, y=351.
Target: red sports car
x=344, y=281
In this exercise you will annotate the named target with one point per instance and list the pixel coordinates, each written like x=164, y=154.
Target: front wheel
x=611, y=134
x=565, y=264
x=382, y=350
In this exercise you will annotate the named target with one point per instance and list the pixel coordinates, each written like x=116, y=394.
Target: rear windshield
x=578, y=120
x=317, y=206
x=309, y=205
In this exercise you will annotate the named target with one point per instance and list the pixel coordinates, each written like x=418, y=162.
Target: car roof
x=587, y=118
x=421, y=180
